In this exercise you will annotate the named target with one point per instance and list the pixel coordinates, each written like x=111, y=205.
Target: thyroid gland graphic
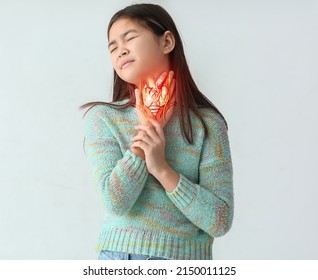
x=156, y=98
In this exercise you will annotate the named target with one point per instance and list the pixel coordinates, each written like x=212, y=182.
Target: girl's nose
x=124, y=51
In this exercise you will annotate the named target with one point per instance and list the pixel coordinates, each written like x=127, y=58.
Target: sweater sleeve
x=119, y=177
x=209, y=204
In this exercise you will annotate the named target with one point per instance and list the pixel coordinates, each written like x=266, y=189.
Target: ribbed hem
x=153, y=244
x=184, y=193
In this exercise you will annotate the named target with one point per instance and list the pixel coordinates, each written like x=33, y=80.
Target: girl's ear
x=168, y=42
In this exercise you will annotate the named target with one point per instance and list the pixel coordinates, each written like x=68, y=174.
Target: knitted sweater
x=141, y=217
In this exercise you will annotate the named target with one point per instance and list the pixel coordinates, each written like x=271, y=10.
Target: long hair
x=188, y=96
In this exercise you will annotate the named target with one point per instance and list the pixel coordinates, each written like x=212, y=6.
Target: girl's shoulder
x=104, y=110
x=211, y=117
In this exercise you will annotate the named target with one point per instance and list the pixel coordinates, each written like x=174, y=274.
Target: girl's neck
x=151, y=79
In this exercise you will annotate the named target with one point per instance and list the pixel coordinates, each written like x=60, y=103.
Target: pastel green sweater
x=141, y=217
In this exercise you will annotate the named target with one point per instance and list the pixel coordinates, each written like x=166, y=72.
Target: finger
x=142, y=137
x=149, y=129
x=159, y=115
x=137, y=95
x=171, y=97
x=149, y=113
x=146, y=90
x=165, y=113
x=146, y=101
x=158, y=128
x=169, y=79
x=161, y=79
x=172, y=90
x=170, y=108
x=164, y=96
x=139, y=144
x=136, y=145
x=140, y=133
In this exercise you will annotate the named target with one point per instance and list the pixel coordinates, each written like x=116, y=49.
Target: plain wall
x=257, y=61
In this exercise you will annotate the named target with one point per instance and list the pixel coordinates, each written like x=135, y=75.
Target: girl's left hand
x=152, y=141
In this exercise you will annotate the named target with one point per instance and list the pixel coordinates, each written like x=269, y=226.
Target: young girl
x=166, y=181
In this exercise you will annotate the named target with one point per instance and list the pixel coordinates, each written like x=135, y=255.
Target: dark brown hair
x=188, y=96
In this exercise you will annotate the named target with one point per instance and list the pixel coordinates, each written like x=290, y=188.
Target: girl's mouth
x=126, y=63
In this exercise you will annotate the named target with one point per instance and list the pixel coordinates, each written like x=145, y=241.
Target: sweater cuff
x=135, y=163
x=184, y=193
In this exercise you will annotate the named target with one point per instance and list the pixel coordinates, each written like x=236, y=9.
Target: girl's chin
x=138, y=80
x=130, y=79
x=136, y=83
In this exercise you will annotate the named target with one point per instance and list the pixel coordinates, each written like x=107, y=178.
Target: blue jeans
x=112, y=255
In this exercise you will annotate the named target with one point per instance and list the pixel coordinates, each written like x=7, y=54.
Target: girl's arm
x=208, y=204
x=120, y=178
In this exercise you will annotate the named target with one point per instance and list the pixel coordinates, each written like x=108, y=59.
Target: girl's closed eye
x=113, y=50
x=132, y=38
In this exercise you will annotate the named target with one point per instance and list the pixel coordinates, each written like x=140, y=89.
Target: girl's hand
x=152, y=141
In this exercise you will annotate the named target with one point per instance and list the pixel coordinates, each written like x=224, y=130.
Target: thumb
x=137, y=96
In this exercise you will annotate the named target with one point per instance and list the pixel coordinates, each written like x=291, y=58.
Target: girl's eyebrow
x=123, y=36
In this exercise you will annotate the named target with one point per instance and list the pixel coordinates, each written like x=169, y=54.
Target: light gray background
x=256, y=60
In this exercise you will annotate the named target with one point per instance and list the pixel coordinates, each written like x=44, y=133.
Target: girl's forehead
x=122, y=25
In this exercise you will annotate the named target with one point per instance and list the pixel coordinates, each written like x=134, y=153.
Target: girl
x=166, y=182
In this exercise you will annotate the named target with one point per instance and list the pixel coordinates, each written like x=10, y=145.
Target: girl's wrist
x=168, y=178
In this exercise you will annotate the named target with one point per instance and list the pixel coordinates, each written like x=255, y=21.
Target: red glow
x=155, y=95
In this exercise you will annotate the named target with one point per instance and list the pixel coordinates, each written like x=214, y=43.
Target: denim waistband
x=113, y=255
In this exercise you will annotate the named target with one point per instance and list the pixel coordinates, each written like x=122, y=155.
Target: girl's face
x=137, y=54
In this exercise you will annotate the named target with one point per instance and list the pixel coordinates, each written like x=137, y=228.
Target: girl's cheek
x=114, y=64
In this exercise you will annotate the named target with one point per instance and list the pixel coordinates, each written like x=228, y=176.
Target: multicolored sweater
x=141, y=217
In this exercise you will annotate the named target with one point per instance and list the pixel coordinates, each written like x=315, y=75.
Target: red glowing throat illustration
x=155, y=97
